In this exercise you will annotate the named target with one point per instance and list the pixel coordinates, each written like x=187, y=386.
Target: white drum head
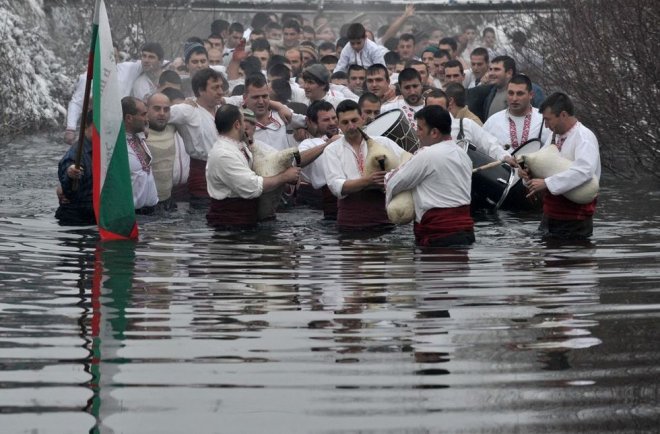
x=527, y=148
x=383, y=123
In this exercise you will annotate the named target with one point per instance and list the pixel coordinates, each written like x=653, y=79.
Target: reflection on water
x=295, y=329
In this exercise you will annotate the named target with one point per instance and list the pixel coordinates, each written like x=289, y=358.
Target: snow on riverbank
x=34, y=80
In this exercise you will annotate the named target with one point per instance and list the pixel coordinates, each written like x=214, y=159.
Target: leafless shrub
x=603, y=54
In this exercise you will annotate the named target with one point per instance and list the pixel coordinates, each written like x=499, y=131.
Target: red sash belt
x=197, y=178
x=438, y=223
x=363, y=209
x=560, y=208
x=329, y=203
x=233, y=212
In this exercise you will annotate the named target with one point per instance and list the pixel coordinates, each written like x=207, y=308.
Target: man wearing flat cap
x=316, y=83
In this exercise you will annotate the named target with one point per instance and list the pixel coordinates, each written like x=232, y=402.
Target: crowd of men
x=194, y=124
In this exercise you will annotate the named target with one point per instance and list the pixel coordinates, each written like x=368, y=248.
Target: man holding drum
x=563, y=218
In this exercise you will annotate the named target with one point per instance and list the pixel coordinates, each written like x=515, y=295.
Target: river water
x=296, y=329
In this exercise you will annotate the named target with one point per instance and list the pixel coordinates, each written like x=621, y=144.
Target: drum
x=517, y=199
x=394, y=125
x=490, y=187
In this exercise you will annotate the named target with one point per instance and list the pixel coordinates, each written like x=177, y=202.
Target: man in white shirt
x=378, y=83
x=322, y=124
x=359, y=50
x=127, y=73
x=270, y=126
x=356, y=77
x=520, y=123
x=468, y=130
x=145, y=195
x=232, y=184
x=440, y=177
x=147, y=83
x=370, y=106
x=406, y=47
x=563, y=218
x=411, y=101
x=196, y=124
x=361, y=202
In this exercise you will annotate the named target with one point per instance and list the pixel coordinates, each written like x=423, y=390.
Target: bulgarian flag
x=112, y=193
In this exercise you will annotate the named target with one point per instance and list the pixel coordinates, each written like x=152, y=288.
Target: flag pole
x=85, y=108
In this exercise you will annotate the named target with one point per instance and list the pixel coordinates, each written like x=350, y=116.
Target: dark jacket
x=79, y=210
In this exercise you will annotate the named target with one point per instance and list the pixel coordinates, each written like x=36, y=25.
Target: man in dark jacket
x=76, y=207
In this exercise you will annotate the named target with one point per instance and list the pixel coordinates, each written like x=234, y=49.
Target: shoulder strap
x=461, y=133
x=541, y=130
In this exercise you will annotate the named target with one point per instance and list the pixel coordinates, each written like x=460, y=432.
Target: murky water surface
x=294, y=329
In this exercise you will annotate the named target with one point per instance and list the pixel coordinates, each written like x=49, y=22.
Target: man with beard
x=361, y=200
x=410, y=101
x=232, y=184
x=161, y=143
x=322, y=124
x=294, y=55
x=145, y=196
x=147, y=82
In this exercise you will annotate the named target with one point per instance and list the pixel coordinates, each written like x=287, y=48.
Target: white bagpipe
x=548, y=162
x=271, y=164
x=401, y=209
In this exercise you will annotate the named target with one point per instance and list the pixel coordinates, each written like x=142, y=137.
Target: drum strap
x=541, y=130
x=538, y=138
x=461, y=133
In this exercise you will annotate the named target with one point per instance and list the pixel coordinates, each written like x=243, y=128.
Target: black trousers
x=463, y=238
x=566, y=229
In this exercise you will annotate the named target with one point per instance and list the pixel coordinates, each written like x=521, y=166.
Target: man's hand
x=390, y=94
x=239, y=54
x=410, y=10
x=535, y=186
x=285, y=113
x=74, y=173
x=511, y=161
x=301, y=134
x=377, y=179
x=291, y=175
x=69, y=137
x=61, y=198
